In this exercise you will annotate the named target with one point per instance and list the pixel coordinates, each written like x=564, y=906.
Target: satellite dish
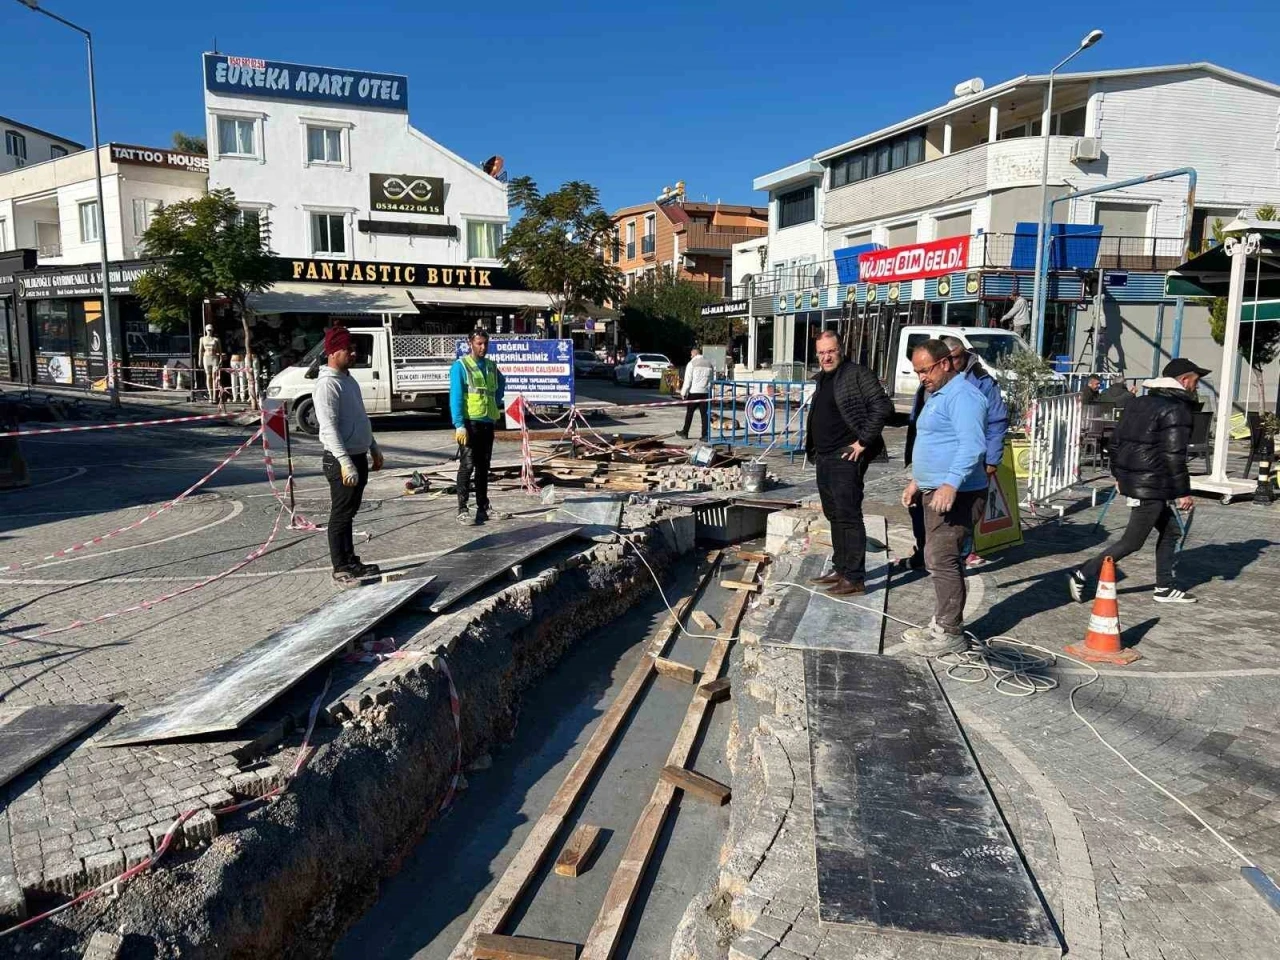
x=494, y=166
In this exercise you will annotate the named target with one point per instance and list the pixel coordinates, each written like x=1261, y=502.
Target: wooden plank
x=715, y=690
x=740, y=585
x=491, y=946
x=675, y=670
x=703, y=620
x=529, y=859
x=704, y=788
x=753, y=556
x=618, y=899
x=577, y=850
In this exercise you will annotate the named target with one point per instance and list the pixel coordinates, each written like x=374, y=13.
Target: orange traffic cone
x=1102, y=639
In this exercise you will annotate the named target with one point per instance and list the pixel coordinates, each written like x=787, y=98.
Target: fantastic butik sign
x=250, y=77
x=916, y=261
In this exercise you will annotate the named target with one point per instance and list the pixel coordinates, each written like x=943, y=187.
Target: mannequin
x=211, y=360
x=239, y=384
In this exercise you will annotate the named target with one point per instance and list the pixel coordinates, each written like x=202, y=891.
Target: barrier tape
x=113, y=426
x=305, y=752
x=148, y=604
x=456, y=707
x=296, y=520
x=67, y=551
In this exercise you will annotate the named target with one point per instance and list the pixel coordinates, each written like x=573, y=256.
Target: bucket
x=753, y=477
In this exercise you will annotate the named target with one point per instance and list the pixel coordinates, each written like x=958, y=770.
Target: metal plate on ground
x=781, y=497
x=819, y=622
x=909, y=838
x=34, y=733
x=238, y=689
x=595, y=516
x=474, y=564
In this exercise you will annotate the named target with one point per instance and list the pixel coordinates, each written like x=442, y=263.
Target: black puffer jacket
x=1149, y=452
x=863, y=404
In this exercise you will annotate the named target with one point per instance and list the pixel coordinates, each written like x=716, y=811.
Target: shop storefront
x=11, y=264
x=59, y=311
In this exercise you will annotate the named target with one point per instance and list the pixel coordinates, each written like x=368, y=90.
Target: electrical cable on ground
x=1020, y=671
x=662, y=594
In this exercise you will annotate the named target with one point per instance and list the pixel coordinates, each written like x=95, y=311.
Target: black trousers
x=701, y=407
x=1148, y=515
x=344, y=502
x=840, y=489
x=474, y=459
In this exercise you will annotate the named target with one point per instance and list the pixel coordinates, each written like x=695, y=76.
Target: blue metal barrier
x=760, y=413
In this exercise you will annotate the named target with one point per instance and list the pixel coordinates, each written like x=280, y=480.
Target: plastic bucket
x=753, y=475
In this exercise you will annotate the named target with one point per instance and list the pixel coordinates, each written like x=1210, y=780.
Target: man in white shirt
x=696, y=385
x=350, y=451
x=1020, y=314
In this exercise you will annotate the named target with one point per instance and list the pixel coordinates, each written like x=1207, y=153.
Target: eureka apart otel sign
x=463, y=276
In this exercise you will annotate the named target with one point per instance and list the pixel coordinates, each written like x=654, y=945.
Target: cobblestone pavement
x=83, y=813
x=1125, y=871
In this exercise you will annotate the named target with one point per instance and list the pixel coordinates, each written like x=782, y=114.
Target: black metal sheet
x=238, y=689
x=596, y=516
x=474, y=564
x=909, y=838
x=781, y=497
x=36, y=732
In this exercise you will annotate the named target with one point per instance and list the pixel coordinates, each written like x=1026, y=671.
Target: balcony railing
x=49, y=249
x=631, y=250
x=1017, y=251
x=648, y=244
x=702, y=238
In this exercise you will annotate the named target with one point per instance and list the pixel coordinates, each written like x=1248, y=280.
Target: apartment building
x=50, y=298
x=693, y=241
x=970, y=169
x=25, y=144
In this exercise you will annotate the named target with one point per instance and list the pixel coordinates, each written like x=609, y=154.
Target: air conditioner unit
x=1086, y=148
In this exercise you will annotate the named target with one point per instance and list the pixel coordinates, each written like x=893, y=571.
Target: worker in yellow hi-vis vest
x=475, y=403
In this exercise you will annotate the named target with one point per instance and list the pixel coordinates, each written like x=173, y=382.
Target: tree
x=555, y=247
x=188, y=143
x=663, y=314
x=206, y=250
x=1259, y=341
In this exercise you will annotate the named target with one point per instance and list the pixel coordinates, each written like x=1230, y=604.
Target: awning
x=289, y=297
x=1261, y=310
x=1209, y=274
x=451, y=297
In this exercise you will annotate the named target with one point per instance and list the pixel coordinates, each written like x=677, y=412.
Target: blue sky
x=626, y=96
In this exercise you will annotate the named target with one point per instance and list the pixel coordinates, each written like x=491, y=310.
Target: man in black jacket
x=847, y=414
x=1149, y=460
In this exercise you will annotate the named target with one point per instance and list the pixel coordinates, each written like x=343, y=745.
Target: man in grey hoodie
x=349, y=452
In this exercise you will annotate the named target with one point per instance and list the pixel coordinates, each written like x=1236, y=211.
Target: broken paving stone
x=103, y=946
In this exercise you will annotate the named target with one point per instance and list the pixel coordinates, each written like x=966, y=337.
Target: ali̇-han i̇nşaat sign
x=916, y=261
x=250, y=77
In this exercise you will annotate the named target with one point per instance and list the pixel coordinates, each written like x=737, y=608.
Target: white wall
x=802, y=240
x=38, y=146
x=151, y=183
x=375, y=141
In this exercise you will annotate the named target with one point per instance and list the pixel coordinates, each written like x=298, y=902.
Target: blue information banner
x=541, y=371
x=250, y=77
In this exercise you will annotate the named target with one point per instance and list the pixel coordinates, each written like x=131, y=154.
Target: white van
x=993, y=345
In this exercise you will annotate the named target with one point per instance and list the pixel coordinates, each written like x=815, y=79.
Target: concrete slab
x=595, y=516
x=474, y=564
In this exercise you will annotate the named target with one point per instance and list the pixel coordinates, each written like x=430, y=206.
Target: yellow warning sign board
x=1000, y=525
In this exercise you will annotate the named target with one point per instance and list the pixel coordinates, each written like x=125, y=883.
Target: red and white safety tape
x=93, y=542
x=116, y=426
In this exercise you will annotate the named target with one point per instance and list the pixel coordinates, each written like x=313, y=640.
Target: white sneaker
x=1075, y=586
x=1172, y=595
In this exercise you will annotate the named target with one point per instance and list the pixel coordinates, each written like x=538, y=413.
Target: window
x=324, y=145
x=89, y=221
x=143, y=211
x=1069, y=123
x=15, y=145
x=56, y=151
x=796, y=207
x=904, y=150
x=4, y=242
x=236, y=137
x=328, y=233
x=483, y=240
x=631, y=240
x=361, y=350
x=650, y=241
x=617, y=245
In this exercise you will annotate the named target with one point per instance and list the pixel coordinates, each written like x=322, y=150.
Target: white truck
x=396, y=371
x=992, y=345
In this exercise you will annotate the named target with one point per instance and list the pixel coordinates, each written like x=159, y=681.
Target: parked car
x=638, y=367
x=587, y=364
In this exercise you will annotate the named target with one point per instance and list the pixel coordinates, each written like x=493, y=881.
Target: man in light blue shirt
x=948, y=476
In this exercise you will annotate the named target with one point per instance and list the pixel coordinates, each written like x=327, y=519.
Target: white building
x=350, y=194
x=25, y=144
x=50, y=299
x=971, y=167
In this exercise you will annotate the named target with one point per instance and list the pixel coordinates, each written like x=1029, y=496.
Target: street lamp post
x=1040, y=288
x=102, y=210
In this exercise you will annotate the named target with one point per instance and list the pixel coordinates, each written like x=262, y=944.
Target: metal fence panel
x=760, y=413
x=1056, y=426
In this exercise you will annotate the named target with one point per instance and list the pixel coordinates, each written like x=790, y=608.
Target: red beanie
x=335, y=339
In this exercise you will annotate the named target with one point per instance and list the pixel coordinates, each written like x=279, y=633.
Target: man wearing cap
x=1149, y=460
x=349, y=452
x=475, y=403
